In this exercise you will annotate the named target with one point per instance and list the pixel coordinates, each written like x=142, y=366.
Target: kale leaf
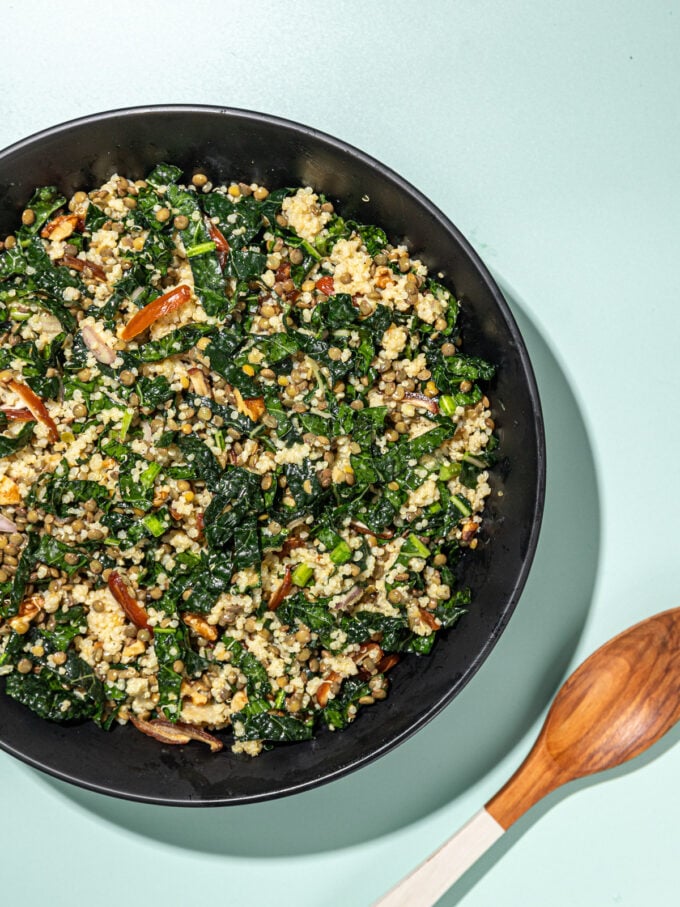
x=136, y=476
x=43, y=203
x=257, y=722
x=153, y=392
x=56, y=493
x=230, y=520
x=206, y=577
x=49, y=698
x=47, y=550
x=200, y=249
x=171, y=644
x=178, y=341
x=258, y=685
x=201, y=462
x=10, y=444
x=337, y=712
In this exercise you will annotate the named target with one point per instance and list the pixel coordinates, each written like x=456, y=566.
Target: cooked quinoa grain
x=240, y=452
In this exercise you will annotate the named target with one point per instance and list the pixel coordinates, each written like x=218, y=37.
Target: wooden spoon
x=619, y=702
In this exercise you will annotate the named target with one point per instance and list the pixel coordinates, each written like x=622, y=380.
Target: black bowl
x=235, y=144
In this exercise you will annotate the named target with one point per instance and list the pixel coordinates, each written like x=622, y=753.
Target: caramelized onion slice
x=175, y=733
x=364, y=530
x=221, y=243
x=78, y=264
x=165, y=304
x=281, y=591
x=17, y=414
x=133, y=610
x=36, y=406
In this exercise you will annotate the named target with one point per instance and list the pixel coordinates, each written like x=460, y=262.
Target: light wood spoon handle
x=428, y=882
x=620, y=701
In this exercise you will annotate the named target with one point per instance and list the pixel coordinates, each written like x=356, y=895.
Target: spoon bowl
x=615, y=705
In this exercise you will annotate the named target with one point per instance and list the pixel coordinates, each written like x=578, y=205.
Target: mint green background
x=550, y=134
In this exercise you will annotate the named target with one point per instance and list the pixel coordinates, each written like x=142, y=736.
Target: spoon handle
x=428, y=882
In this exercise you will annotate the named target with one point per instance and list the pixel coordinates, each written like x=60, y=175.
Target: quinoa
x=241, y=452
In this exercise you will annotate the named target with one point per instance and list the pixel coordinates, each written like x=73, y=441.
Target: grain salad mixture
x=241, y=450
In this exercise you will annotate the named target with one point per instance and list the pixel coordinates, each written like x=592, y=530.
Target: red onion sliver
x=422, y=401
x=96, y=344
x=351, y=598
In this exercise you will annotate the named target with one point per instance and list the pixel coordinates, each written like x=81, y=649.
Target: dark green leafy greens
x=236, y=530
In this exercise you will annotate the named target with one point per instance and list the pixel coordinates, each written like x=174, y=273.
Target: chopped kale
x=178, y=341
x=172, y=645
x=11, y=443
x=200, y=249
x=253, y=724
x=255, y=672
x=43, y=203
x=153, y=392
x=337, y=713
x=204, y=503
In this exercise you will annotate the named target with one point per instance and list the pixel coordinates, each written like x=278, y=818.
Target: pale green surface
x=550, y=134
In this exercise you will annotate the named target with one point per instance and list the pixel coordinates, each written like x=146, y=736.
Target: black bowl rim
x=539, y=428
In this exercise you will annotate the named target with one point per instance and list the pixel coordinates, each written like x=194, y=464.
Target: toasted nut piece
x=9, y=491
x=200, y=626
x=384, y=278
x=324, y=689
x=387, y=663
x=160, y=496
x=239, y=700
x=468, y=530
x=368, y=650
x=134, y=649
x=193, y=692
x=254, y=407
x=429, y=619
x=29, y=608
x=199, y=383
x=60, y=227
